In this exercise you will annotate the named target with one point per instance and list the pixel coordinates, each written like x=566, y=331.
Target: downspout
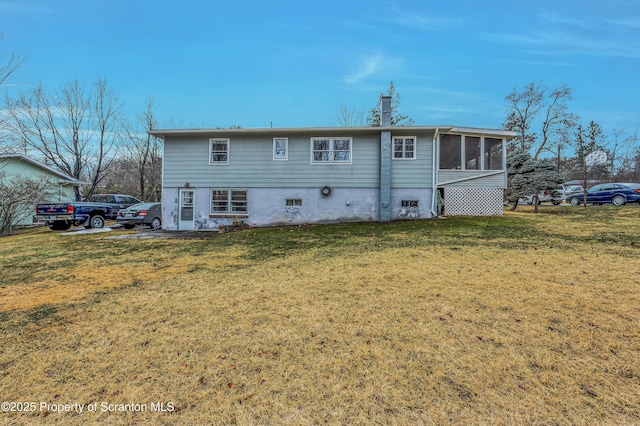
x=434, y=176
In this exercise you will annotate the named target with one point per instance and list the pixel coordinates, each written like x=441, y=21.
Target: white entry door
x=185, y=210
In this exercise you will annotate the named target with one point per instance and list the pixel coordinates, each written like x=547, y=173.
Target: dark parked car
x=90, y=214
x=617, y=194
x=119, y=201
x=141, y=214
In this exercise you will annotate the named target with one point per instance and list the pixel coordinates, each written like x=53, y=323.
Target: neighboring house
x=21, y=166
x=262, y=177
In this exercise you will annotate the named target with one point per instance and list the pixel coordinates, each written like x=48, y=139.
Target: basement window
x=293, y=202
x=229, y=201
x=409, y=203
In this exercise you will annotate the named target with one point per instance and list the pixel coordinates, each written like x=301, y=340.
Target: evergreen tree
x=527, y=176
x=396, y=119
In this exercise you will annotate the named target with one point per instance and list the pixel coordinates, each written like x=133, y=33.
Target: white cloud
x=368, y=66
x=564, y=43
x=562, y=35
x=426, y=22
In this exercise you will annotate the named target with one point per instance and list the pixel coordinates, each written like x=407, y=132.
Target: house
x=20, y=166
x=212, y=177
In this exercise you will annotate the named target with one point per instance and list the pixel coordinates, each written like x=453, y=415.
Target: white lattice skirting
x=461, y=201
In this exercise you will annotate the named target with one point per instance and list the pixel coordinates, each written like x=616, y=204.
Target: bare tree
x=75, y=128
x=538, y=105
x=121, y=177
x=622, y=153
x=8, y=67
x=18, y=196
x=347, y=116
x=143, y=152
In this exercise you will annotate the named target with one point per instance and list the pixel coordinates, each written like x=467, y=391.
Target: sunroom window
x=493, y=154
x=450, y=152
x=463, y=152
x=472, y=153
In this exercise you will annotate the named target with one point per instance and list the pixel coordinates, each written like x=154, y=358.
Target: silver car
x=149, y=214
x=555, y=196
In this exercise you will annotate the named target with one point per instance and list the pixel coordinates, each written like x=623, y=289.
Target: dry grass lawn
x=523, y=319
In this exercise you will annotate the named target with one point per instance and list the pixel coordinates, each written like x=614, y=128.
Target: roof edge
x=289, y=130
x=67, y=178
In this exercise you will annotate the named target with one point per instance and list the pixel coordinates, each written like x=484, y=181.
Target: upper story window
x=404, y=147
x=280, y=148
x=331, y=150
x=462, y=152
x=219, y=151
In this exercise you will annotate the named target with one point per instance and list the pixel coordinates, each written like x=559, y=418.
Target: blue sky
x=294, y=63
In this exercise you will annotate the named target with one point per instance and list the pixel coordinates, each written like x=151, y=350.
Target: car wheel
x=96, y=221
x=574, y=201
x=618, y=200
x=128, y=225
x=156, y=223
x=555, y=203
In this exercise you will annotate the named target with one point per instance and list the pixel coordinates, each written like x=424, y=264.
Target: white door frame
x=186, y=208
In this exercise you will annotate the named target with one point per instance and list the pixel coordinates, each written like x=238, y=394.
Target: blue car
x=617, y=194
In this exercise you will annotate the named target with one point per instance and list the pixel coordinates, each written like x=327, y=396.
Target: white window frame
x=229, y=203
x=293, y=202
x=332, y=150
x=286, y=149
x=407, y=204
x=227, y=141
x=404, y=147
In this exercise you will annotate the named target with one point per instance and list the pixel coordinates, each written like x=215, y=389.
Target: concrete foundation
x=268, y=206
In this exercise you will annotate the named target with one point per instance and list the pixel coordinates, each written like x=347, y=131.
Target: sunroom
x=472, y=171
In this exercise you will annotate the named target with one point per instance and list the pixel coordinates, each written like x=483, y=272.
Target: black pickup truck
x=90, y=214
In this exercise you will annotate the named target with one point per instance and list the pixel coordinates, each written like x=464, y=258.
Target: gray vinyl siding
x=472, y=178
x=417, y=173
x=251, y=163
